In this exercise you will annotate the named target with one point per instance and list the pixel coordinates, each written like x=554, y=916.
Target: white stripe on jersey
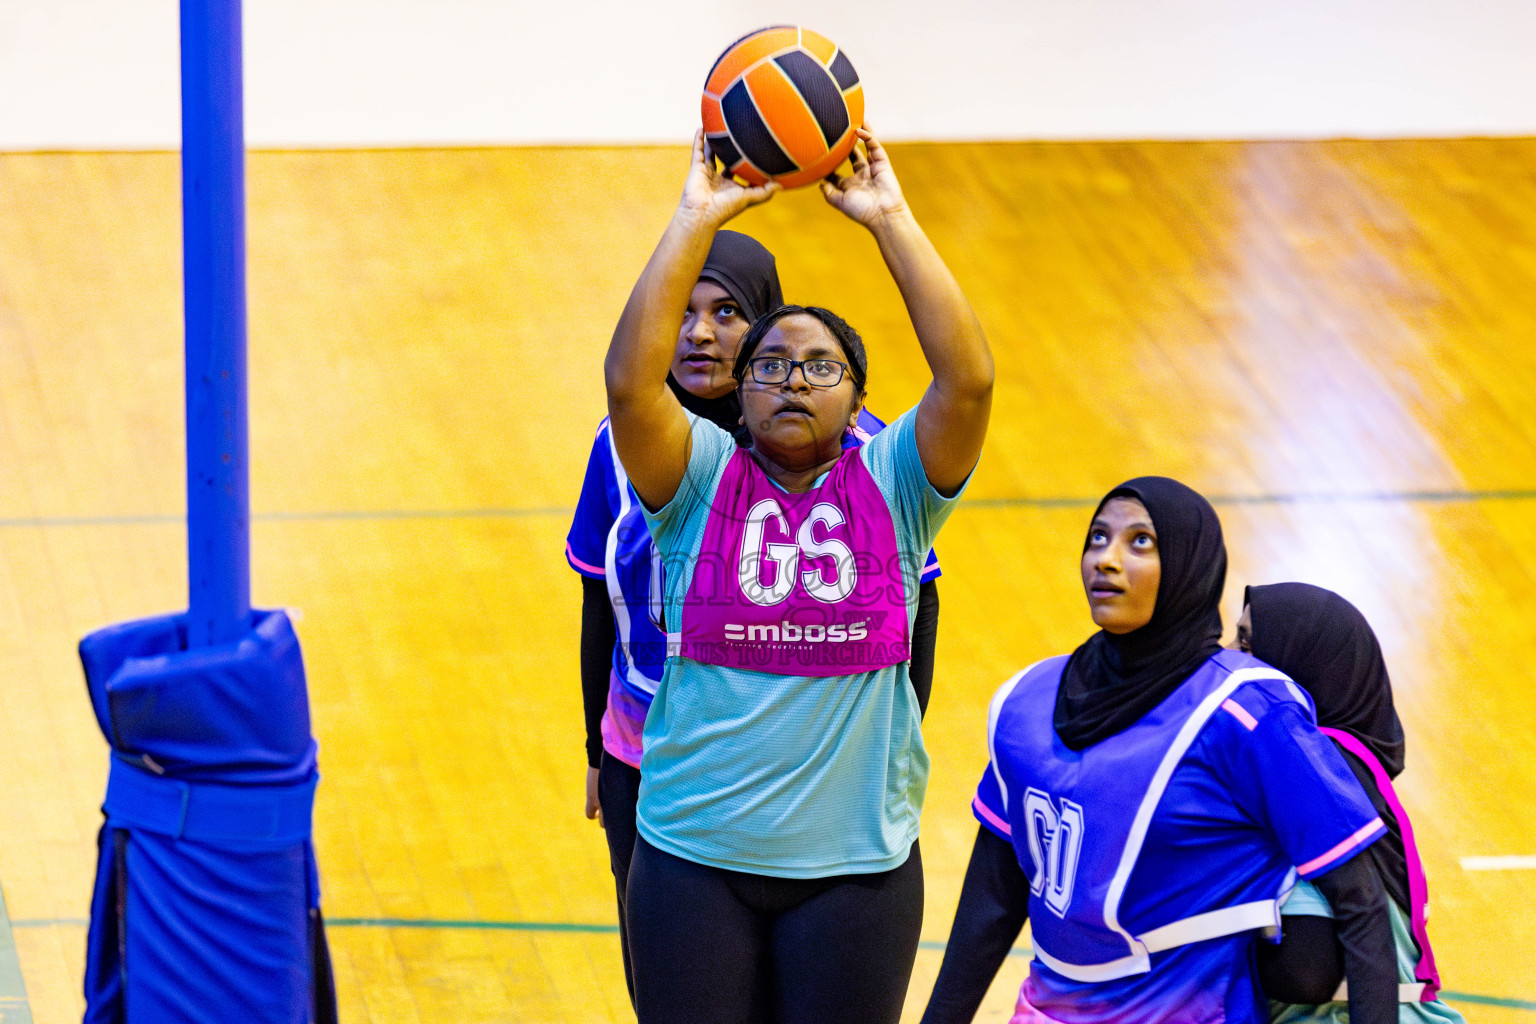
x=621, y=612
x=1154, y=795
x=993, y=711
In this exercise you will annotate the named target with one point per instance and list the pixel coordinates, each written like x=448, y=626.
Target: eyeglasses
x=819, y=373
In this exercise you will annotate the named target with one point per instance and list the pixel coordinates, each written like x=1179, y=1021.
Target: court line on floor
x=1515, y=862
x=14, y=1007
x=534, y=926
x=323, y=515
x=552, y=511
x=1296, y=498
x=573, y=928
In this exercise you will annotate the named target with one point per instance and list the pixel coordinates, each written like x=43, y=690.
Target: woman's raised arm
x=952, y=416
x=650, y=429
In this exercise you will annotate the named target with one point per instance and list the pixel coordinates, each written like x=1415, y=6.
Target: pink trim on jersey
x=576, y=563
x=860, y=433
x=1418, y=885
x=623, y=723
x=1366, y=831
x=1240, y=713
x=992, y=819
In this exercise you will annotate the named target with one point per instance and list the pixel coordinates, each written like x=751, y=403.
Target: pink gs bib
x=797, y=584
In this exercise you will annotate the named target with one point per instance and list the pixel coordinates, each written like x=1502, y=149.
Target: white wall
x=103, y=73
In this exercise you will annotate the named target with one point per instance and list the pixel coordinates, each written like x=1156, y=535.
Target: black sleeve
x=598, y=635
x=1306, y=966
x=994, y=904
x=925, y=633
x=1359, y=901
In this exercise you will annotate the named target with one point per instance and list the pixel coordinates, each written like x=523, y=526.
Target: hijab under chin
x=1323, y=642
x=745, y=268
x=1112, y=681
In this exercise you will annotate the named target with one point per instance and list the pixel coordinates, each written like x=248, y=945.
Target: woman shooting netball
x=783, y=766
x=623, y=651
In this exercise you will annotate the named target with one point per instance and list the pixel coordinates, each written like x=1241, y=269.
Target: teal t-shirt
x=1306, y=901
x=792, y=776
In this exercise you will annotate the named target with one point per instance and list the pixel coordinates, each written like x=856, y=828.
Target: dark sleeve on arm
x=1359, y=901
x=994, y=904
x=598, y=635
x=1306, y=966
x=925, y=633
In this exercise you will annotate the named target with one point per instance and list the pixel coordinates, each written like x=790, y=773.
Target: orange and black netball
x=782, y=104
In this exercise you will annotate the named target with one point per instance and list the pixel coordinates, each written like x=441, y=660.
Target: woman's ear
x=858, y=407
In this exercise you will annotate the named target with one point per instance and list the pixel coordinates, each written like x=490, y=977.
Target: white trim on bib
x=1211, y=924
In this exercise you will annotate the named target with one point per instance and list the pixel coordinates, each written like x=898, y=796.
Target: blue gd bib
x=1079, y=818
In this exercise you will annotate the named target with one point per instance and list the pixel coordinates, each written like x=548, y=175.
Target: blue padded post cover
x=206, y=904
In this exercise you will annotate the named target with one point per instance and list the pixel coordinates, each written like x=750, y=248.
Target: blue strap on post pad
x=229, y=712
x=248, y=816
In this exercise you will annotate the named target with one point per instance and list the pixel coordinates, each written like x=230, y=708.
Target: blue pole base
x=206, y=906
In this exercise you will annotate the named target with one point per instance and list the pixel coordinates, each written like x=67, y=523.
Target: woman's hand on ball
x=715, y=196
x=871, y=192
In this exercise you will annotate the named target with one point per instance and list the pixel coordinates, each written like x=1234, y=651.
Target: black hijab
x=1323, y=642
x=1112, y=681
x=746, y=270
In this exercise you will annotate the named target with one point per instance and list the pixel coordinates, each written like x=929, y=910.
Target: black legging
x=711, y=946
x=618, y=790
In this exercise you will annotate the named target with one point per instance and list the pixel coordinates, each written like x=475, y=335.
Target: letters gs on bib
x=784, y=558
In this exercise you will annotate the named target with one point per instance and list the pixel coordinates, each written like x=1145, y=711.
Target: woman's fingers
x=877, y=156
x=857, y=160
x=762, y=193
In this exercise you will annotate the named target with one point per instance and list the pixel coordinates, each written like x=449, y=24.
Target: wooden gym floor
x=1336, y=340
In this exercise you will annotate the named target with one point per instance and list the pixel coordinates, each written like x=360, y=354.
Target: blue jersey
x=1155, y=855
x=609, y=540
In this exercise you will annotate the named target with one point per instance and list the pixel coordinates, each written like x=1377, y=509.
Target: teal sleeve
x=1306, y=901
